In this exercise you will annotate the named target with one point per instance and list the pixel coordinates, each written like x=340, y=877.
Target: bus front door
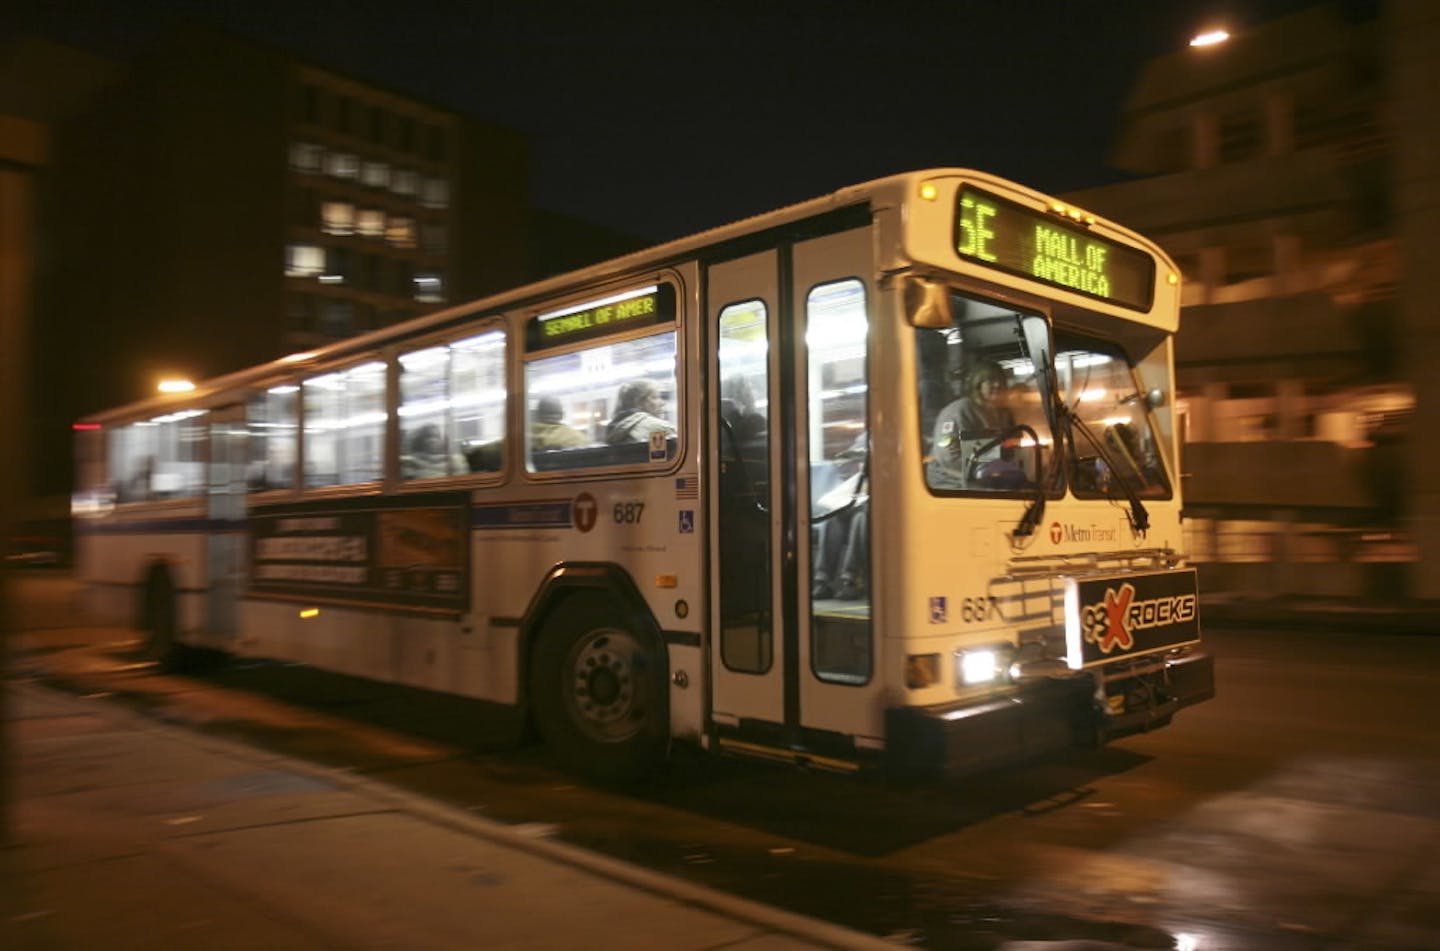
x=791, y=651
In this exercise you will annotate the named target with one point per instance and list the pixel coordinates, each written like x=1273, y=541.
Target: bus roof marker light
x=175, y=386
x=928, y=191
x=1210, y=38
x=308, y=613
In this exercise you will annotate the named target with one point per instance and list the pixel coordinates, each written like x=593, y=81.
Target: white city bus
x=719, y=492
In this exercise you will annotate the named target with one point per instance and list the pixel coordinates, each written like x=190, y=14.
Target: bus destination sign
x=1000, y=233
x=642, y=307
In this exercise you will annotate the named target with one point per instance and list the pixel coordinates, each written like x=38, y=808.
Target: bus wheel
x=598, y=688
x=161, y=645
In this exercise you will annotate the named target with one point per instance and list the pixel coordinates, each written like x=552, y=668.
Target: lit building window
x=370, y=223
x=305, y=156
x=342, y=165
x=375, y=174
x=337, y=217
x=435, y=193
x=400, y=232
x=405, y=182
x=429, y=287
x=304, y=260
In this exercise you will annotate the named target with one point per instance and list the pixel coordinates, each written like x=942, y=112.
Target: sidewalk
x=131, y=833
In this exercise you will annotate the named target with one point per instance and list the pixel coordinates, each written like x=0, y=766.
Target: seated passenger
x=548, y=429
x=638, y=414
x=737, y=408
x=427, y=458
x=841, y=551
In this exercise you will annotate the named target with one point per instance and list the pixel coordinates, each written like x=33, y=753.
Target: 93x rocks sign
x=1115, y=616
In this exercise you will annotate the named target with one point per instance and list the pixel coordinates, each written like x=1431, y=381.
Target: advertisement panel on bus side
x=407, y=555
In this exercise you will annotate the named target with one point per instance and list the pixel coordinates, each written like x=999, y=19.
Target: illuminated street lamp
x=1210, y=38
x=175, y=386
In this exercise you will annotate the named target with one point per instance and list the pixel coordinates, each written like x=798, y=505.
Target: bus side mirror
x=928, y=304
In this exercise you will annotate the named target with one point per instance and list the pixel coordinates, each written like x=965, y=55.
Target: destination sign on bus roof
x=1000, y=233
x=642, y=307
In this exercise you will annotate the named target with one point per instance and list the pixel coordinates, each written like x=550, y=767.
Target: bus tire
x=599, y=689
x=160, y=625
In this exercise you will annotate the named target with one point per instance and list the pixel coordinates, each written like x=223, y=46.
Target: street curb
x=740, y=909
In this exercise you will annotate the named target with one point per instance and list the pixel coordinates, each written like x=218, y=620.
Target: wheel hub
x=604, y=697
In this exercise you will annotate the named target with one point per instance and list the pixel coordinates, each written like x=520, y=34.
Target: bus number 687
x=628, y=513
x=973, y=610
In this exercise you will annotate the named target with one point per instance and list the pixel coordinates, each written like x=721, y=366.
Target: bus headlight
x=983, y=665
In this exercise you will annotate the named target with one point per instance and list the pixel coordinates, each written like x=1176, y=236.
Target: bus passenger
x=978, y=416
x=737, y=409
x=427, y=458
x=638, y=413
x=548, y=429
x=842, y=542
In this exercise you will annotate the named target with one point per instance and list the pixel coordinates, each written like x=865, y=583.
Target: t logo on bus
x=585, y=511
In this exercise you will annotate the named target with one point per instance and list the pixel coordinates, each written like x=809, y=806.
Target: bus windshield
x=1118, y=453
x=983, y=410
x=982, y=415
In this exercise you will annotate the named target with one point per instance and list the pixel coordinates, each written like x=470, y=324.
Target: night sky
x=661, y=120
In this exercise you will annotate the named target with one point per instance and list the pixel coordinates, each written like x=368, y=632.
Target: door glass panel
x=836, y=331
x=744, y=455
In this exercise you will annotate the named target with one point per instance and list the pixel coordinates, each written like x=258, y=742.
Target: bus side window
x=617, y=405
x=160, y=458
x=478, y=396
x=271, y=428
x=344, y=425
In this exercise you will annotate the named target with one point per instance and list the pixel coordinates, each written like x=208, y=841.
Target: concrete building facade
x=1291, y=173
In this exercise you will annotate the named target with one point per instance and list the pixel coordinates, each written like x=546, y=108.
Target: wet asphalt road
x=1300, y=809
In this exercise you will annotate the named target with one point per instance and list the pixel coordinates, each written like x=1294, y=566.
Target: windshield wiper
x=1035, y=511
x=1139, y=517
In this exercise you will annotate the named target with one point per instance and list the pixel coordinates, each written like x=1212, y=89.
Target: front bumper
x=1087, y=708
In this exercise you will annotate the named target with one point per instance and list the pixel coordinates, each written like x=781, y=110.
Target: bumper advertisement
x=1113, y=617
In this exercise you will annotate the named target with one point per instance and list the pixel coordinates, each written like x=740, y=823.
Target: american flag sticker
x=687, y=487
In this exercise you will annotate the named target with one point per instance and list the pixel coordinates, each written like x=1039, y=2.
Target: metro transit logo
x=1111, y=624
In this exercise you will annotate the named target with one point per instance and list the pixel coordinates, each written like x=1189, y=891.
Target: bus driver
x=978, y=416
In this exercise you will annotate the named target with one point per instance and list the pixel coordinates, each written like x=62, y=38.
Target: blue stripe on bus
x=159, y=526
x=548, y=513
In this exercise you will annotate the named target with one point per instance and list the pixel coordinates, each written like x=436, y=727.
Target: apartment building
x=220, y=203
x=1274, y=169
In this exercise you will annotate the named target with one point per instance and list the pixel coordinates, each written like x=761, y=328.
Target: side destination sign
x=642, y=307
x=999, y=233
